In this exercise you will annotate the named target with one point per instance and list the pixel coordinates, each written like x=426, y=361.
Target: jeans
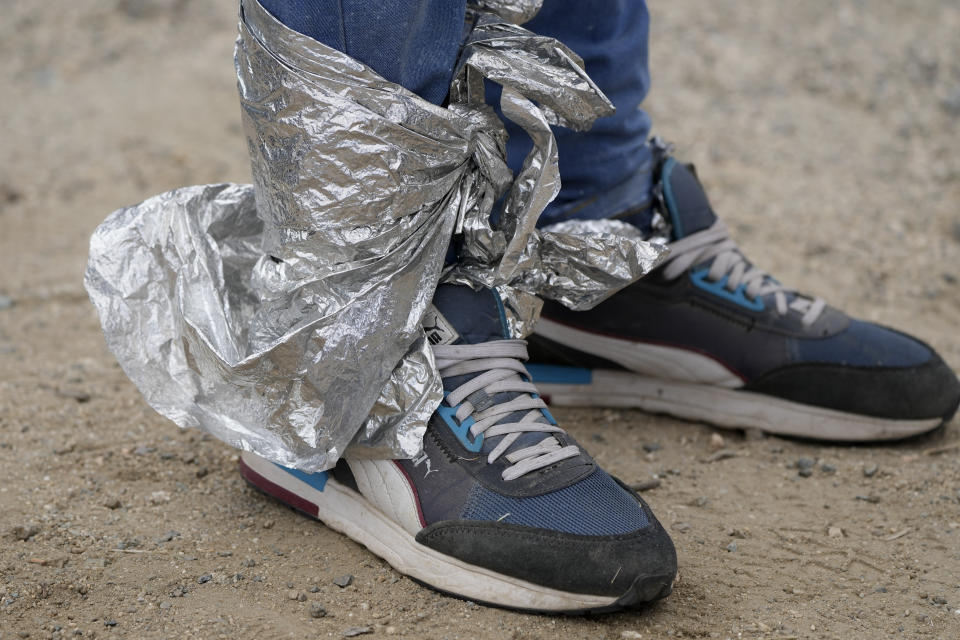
x=605, y=172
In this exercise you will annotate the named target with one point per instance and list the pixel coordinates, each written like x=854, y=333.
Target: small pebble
x=168, y=536
x=828, y=468
x=630, y=635
x=835, y=532
x=24, y=532
x=650, y=447
x=805, y=473
x=753, y=434
x=681, y=526
x=343, y=581
x=317, y=610
x=110, y=623
x=356, y=631
x=939, y=600
x=805, y=463
x=166, y=605
x=700, y=502
x=6, y=302
x=205, y=578
x=723, y=454
x=870, y=471
x=76, y=394
x=645, y=485
x=871, y=499
x=314, y=589
x=717, y=442
x=732, y=547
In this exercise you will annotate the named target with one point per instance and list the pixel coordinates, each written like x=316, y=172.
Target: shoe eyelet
x=462, y=429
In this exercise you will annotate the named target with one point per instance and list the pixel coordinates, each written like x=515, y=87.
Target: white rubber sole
x=729, y=408
x=344, y=510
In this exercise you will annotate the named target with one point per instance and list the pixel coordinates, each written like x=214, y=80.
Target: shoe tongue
x=685, y=200
x=460, y=315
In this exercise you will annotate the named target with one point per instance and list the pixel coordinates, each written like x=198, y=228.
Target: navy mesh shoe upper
x=572, y=496
x=595, y=506
x=862, y=344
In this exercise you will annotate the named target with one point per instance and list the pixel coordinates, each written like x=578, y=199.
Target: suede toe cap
x=923, y=391
x=595, y=565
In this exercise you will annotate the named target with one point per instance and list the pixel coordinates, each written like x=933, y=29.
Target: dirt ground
x=829, y=136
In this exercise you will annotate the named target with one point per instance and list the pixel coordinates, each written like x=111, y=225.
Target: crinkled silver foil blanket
x=284, y=317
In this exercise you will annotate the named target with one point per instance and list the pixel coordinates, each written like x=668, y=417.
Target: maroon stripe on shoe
x=416, y=496
x=283, y=495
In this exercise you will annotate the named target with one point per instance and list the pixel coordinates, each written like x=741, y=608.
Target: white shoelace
x=500, y=366
x=716, y=243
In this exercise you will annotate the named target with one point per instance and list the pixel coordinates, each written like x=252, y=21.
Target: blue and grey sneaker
x=502, y=507
x=710, y=337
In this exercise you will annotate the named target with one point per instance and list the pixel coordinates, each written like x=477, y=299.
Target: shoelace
x=499, y=364
x=715, y=242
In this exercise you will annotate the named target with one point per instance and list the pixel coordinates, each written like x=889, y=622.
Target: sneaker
x=710, y=337
x=502, y=507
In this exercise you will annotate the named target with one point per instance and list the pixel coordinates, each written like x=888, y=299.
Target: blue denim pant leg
x=413, y=43
x=606, y=171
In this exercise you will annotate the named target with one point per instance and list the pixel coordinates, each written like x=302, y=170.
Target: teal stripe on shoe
x=316, y=480
x=558, y=374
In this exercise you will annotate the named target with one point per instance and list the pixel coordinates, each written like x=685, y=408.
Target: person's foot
x=710, y=337
x=502, y=507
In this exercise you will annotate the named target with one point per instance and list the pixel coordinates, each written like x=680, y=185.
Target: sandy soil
x=828, y=134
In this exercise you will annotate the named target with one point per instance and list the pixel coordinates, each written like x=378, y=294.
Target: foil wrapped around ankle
x=283, y=317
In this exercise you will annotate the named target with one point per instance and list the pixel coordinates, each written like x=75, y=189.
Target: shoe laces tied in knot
x=499, y=365
x=715, y=243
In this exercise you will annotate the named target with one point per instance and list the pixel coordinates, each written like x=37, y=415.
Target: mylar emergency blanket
x=284, y=317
